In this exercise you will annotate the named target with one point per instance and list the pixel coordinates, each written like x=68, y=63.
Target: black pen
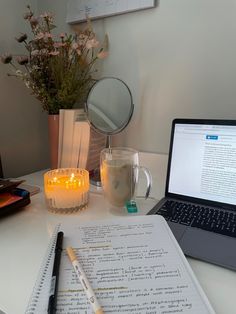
x=52, y=302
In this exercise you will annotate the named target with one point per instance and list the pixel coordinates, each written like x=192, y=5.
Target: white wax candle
x=66, y=188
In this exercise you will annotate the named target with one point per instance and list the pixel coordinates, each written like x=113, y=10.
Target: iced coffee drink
x=118, y=181
x=119, y=168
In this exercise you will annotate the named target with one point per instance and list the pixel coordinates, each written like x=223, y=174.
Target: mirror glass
x=109, y=105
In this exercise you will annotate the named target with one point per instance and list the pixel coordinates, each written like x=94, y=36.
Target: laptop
x=200, y=194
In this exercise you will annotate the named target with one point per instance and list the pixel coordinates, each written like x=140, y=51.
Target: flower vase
x=53, y=132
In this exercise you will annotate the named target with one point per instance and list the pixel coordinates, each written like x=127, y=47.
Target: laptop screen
x=203, y=161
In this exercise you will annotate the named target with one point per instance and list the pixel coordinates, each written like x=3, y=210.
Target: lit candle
x=66, y=189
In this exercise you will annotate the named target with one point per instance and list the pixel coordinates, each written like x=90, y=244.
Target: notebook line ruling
x=200, y=193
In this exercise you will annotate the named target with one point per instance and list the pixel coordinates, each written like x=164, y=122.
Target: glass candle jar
x=66, y=189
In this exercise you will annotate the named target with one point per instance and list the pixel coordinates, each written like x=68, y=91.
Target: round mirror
x=109, y=108
x=109, y=105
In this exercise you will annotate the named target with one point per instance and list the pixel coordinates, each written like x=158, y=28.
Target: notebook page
x=39, y=299
x=134, y=265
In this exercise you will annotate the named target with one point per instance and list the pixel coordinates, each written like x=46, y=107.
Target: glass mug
x=119, y=169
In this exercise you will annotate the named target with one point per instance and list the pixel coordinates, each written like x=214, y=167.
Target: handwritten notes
x=134, y=266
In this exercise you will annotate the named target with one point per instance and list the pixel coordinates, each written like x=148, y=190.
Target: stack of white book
x=74, y=138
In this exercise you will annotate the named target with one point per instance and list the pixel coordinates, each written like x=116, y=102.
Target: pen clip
x=52, y=286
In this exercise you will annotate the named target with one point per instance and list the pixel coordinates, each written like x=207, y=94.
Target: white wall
x=179, y=60
x=23, y=126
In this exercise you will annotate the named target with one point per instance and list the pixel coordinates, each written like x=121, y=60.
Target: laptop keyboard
x=210, y=219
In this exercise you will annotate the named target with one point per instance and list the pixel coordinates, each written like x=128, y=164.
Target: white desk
x=24, y=238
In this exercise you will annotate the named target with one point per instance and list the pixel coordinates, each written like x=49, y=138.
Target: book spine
x=60, y=137
x=84, y=144
x=69, y=119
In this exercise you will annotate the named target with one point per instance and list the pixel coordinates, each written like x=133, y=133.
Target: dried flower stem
x=58, y=69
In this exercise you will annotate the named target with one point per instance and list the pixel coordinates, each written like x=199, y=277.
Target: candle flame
x=72, y=182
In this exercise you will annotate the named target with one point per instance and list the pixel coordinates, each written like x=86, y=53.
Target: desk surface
x=24, y=237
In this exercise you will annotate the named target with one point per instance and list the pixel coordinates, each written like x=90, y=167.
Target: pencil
x=84, y=282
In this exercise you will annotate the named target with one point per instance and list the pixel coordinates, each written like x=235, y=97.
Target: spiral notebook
x=134, y=265
x=39, y=298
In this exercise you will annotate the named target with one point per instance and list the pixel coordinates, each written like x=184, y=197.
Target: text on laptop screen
x=203, y=163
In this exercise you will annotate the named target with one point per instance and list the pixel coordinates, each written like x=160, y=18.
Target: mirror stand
x=95, y=178
x=109, y=108
x=108, y=143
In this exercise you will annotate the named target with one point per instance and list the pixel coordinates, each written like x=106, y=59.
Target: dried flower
x=27, y=83
x=27, y=15
x=39, y=36
x=102, y=54
x=78, y=51
x=6, y=58
x=58, y=44
x=58, y=68
x=46, y=15
x=35, y=52
x=92, y=43
x=22, y=60
x=21, y=38
x=43, y=51
x=19, y=73
x=33, y=21
x=62, y=35
x=54, y=53
x=47, y=35
x=83, y=38
x=74, y=46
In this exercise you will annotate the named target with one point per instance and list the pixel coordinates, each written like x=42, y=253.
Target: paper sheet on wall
x=78, y=9
x=134, y=265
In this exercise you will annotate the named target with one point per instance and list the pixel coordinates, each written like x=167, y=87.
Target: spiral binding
x=42, y=275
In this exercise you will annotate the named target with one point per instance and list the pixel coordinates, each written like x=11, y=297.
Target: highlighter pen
x=52, y=302
x=84, y=282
